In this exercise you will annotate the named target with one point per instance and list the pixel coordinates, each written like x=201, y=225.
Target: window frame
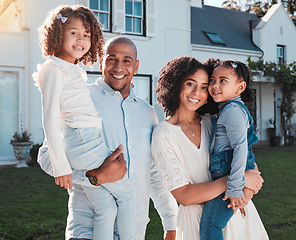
x=97, y=11
x=143, y=22
x=282, y=47
x=208, y=35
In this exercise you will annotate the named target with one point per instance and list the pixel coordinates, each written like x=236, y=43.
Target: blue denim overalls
x=220, y=163
x=215, y=214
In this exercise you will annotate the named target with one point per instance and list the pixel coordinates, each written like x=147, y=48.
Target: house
x=229, y=34
x=162, y=30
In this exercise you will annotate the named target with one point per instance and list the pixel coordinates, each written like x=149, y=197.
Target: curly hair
x=172, y=75
x=242, y=71
x=51, y=32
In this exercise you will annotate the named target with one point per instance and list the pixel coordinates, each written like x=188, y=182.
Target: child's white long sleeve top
x=65, y=98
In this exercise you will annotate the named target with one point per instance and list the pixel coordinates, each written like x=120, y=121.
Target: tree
x=232, y=4
x=260, y=7
x=290, y=5
x=285, y=77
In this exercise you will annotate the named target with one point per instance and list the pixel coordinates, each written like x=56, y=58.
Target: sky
x=216, y=3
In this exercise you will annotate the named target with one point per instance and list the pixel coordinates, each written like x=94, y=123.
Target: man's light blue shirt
x=130, y=122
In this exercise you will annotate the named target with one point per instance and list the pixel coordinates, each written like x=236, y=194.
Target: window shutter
x=119, y=16
x=150, y=10
x=9, y=108
x=85, y=3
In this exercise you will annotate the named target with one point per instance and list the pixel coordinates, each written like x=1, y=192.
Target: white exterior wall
x=20, y=51
x=202, y=53
x=20, y=48
x=283, y=32
x=170, y=38
x=265, y=108
x=277, y=24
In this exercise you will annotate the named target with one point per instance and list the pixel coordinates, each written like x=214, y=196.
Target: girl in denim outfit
x=230, y=145
x=72, y=125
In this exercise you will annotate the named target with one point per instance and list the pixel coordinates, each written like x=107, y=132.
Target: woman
x=180, y=150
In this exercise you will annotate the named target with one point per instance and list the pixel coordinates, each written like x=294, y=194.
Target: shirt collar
x=62, y=63
x=109, y=91
x=238, y=98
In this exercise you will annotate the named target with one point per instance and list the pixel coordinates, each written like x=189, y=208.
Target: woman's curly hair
x=51, y=32
x=242, y=71
x=172, y=76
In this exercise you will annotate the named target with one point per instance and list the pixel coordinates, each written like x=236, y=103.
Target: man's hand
x=235, y=203
x=169, y=235
x=113, y=169
x=248, y=195
x=64, y=181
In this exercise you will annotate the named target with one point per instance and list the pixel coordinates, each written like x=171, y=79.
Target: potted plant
x=21, y=146
x=274, y=139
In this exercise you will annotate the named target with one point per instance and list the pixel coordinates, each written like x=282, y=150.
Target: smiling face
x=76, y=41
x=225, y=85
x=119, y=65
x=194, y=90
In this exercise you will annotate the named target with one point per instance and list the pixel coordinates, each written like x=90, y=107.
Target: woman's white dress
x=182, y=163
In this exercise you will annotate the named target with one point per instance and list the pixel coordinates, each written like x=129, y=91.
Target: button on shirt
x=130, y=122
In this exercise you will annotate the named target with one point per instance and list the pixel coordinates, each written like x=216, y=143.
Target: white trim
x=5, y=161
x=195, y=3
x=133, y=37
x=84, y=3
x=118, y=16
x=204, y=48
x=150, y=18
x=268, y=15
x=5, y=32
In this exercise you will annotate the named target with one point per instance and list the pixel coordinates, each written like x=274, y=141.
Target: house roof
x=233, y=27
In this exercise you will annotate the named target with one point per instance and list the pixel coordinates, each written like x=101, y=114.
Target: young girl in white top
x=72, y=125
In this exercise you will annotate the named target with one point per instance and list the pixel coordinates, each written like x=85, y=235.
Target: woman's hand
x=170, y=235
x=254, y=180
x=64, y=181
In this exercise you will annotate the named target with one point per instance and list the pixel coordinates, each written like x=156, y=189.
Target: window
x=214, y=38
x=134, y=16
x=142, y=84
x=280, y=54
x=101, y=9
x=11, y=105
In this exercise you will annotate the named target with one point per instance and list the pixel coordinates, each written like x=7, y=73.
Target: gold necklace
x=191, y=132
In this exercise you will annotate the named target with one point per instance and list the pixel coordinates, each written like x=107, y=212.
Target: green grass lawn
x=33, y=207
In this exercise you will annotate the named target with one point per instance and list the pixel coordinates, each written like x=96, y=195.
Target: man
x=127, y=120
